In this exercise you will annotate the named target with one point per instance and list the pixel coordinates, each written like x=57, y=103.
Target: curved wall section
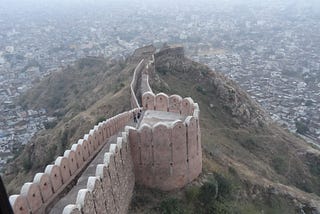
x=134, y=84
x=111, y=188
x=37, y=196
x=166, y=156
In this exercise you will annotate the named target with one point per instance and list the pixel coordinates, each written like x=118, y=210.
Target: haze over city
x=251, y=68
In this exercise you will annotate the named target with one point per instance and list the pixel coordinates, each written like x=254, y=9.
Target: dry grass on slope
x=249, y=142
x=90, y=91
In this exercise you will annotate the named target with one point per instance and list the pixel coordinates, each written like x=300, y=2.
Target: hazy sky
x=21, y=6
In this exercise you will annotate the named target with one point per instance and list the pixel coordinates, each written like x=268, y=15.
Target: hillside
x=79, y=97
x=250, y=164
x=268, y=169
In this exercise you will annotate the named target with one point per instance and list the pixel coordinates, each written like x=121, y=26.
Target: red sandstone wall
x=37, y=195
x=136, y=75
x=173, y=103
x=166, y=157
x=110, y=189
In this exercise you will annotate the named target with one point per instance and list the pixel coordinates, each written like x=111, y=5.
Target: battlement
x=166, y=155
x=162, y=151
x=47, y=187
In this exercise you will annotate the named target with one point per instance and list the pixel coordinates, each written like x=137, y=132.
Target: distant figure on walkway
x=134, y=118
x=139, y=114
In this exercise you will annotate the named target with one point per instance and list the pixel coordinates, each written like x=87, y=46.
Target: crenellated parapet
x=134, y=86
x=47, y=187
x=162, y=149
x=166, y=148
x=173, y=103
x=110, y=189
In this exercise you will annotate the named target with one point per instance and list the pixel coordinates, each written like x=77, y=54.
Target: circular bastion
x=166, y=147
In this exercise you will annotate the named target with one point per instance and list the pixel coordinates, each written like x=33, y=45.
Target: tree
x=302, y=127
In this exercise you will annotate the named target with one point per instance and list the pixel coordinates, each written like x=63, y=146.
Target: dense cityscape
x=271, y=50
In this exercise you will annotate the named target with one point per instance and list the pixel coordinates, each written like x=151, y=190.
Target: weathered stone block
x=32, y=193
x=162, y=102
x=89, y=139
x=95, y=187
x=55, y=176
x=71, y=156
x=162, y=154
x=145, y=175
x=63, y=164
x=71, y=209
x=148, y=100
x=19, y=204
x=43, y=180
x=187, y=106
x=85, y=200
x=175, y=103
x=85, y=149
x=77, y=148
x=103, y=173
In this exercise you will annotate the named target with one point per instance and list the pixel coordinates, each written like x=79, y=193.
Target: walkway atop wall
x=152, y=117
x=71, y=196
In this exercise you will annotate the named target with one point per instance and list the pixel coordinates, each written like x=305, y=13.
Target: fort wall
x=177, y=52
x=167, y=156
x=134, y=86
x=46, y=187
x=111, y=188
x=164, y=155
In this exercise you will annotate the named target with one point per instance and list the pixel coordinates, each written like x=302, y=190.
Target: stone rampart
x=164, y=155
x=134, y=86
x=171, y=51
x=167, y=156
x=173, y=103
x=140, y=81
x=47, y=187
x=143, y=53
x=110, y=189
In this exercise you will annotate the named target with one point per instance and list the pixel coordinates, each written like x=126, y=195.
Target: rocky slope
x=239, y=139
x=79, y=97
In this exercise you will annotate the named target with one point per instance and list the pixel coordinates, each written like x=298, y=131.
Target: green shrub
x=315, y=169
x=214, y=195
x=249, y=144
x=100, y=119
x=208, y=193
x=192, y=193
x=302, y=127
x=224, y=185
x=64, y=140
x=201, y=90
x=50, y=125
x=171, y=206
x=51, y=153
x=27, y=163
x=280, y=164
